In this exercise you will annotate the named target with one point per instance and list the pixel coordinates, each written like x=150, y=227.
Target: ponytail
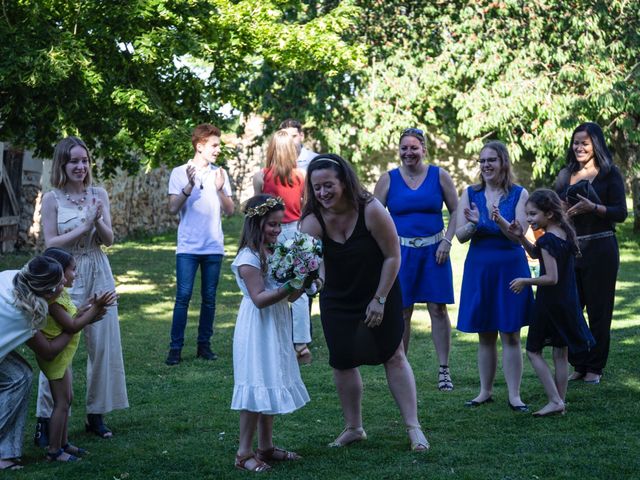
x=39, y=277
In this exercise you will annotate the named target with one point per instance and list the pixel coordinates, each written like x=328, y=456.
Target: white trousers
x=299, y=308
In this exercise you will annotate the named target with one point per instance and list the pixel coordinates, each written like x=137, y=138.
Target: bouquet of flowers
x=296, y=260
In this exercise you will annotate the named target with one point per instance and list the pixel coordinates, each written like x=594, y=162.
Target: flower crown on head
x=264, y=207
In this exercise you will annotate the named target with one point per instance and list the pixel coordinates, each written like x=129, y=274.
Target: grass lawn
x=179, y=425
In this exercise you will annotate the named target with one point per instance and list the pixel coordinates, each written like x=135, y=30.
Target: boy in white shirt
x=200, y=191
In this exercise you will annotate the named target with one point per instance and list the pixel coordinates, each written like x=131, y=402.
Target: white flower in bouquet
x=296, y=259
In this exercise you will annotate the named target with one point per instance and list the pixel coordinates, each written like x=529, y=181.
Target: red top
x=292, y=196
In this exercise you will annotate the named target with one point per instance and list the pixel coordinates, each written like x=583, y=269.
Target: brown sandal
x=276, y=454
x=260, y=466
x=303, y=354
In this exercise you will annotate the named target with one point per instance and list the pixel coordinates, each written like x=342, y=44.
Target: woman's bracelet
x=472, y=227
x=185, y=193
x=595, y=208
x=448, y=241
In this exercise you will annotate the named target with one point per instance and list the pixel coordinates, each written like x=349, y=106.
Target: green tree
x=132, y=78
x=524, y=72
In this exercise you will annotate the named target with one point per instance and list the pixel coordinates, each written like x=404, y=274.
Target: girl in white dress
x=266, y=375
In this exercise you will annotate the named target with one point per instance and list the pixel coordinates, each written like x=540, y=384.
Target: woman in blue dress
x=495, y=257
x=414, y=194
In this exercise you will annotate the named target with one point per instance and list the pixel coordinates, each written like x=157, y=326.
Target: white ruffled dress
x=265, y=369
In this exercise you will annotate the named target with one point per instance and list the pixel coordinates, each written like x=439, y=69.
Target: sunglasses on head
x=414, y=131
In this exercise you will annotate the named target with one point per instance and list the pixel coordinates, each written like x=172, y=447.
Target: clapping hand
x=583, y=206
x=515, y=229
x=101, y=302
x=472, y=214
x=191, y=174
x=219, y=178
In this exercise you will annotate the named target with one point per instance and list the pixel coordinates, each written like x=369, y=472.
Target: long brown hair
x=548, y=201
x=62, y=156
x=282, y=156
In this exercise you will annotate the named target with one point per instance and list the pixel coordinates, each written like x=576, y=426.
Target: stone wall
x=139, y=203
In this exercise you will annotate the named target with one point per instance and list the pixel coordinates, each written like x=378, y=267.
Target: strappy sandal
x=444, y=379
x=419, y=442
x=303, y=354
x=338, y=442
x=276, y=454
x=55, y=456
x=74, y=450
x=260, y=466
x=11, y=465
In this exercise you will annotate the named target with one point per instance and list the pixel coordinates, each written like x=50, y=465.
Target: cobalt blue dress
x=418, y=213
x=558, y=320
x=486, y=303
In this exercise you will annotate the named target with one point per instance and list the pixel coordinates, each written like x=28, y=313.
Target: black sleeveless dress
x=352, y=272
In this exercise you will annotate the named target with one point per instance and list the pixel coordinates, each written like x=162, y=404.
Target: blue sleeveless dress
x=486, y=303
x=418, y=213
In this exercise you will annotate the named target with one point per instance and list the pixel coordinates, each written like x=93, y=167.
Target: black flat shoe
x=204, y=352
x=473, y=403
x=518, y=408
x=94, y=424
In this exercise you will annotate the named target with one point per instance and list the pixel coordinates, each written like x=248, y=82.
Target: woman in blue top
x=414, y=194
x=495, y=257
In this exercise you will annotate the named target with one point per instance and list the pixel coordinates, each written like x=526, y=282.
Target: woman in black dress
x=361, y=304
x=594, y=213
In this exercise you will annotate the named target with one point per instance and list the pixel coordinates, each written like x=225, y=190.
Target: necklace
x=413, y=177
x=78, y=203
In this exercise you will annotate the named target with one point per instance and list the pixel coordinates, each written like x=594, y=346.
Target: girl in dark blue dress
x=558, y=319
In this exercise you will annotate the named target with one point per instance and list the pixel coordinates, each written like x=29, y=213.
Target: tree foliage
x=523, y=72
x=133, y=78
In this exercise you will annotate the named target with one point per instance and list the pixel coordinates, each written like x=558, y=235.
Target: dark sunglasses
x=488, y=160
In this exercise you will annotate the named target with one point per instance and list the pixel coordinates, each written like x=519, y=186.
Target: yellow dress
x=54, y=369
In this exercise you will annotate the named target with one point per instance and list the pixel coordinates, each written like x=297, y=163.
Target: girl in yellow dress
x=65, y=317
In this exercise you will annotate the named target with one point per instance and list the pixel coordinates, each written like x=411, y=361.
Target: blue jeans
x=186, y=268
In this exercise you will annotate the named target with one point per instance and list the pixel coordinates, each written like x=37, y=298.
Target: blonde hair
x=507, y=178
x=62, y=156
x=39, y=277
x=282, y=156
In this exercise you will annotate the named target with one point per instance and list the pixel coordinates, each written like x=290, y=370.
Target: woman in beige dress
x=76, y=217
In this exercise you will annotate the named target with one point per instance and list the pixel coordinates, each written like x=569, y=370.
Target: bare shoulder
x=384, y=180
x=49, y=198
x=101, y=193
x=374, y=212
x=311, y=225
x=443, y=175
x=524, y=195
